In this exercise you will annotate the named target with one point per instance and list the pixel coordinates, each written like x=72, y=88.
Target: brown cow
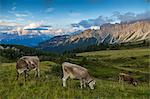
x=27, y=63
x=128, y=78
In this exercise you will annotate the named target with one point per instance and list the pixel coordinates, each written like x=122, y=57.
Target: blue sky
x=65, y=12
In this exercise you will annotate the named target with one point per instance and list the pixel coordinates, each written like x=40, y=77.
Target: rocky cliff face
x=108, y=33
x=117, y=33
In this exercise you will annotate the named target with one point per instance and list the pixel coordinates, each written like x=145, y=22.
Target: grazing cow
x=128, y=78
x=77, y=72
x=27, y=63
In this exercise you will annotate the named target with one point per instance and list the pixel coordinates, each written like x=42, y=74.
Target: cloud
x=129, y=16
x=20, y=19
x=8, y=27
x=13, y=8
x=93, y=22
x=145, y=15
x=147, y=1
x=32, y=25
x=114, y=18
x=36, y=26
x=124, y=17
x=11, y=12
x=4, y=23
x=21, y=14
x=49, y=10
x=75, y=25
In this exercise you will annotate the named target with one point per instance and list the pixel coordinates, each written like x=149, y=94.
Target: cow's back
x=75, y=71
x=31, y=58
x=31, y=62
x=125, y=77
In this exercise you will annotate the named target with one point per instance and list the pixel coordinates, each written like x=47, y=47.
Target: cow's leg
x=120, y=79
x=65, y=77
x=37, y=72
x=130, y=82
x=17, y=76
x=25, y=74
x=84, y=84
x=81, y=83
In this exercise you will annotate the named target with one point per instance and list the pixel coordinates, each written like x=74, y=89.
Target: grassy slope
x=135, y=61
x=104, y=65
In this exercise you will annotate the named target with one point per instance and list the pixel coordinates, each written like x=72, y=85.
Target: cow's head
x=135, y=82
x=92, y=84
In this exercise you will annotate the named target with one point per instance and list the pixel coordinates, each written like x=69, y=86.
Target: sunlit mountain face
x=135, y=32
x=32, y=22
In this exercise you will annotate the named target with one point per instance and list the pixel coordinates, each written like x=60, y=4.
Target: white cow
x=77, y=72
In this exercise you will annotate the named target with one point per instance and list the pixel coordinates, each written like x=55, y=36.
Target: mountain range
x=26, y=40
x=117, y=33
x=31, y=34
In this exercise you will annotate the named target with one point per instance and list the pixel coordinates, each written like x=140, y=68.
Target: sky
x=71, y=12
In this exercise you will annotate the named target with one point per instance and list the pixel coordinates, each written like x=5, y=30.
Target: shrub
x=57, y=70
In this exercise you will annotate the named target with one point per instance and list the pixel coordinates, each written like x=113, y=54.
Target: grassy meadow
x=104, y=66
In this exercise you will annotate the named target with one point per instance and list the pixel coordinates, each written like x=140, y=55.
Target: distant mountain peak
x=107, y=34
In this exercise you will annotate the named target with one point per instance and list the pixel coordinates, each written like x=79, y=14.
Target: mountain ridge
x=107, y=34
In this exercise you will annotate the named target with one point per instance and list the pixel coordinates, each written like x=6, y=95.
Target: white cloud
x=117, y=17
x=95, y=27
x=8, y=27
x=49, y=10
x=4, y=23
x=129, y=16
x=32, y=25
x=13, y=8
x=20, y=19
x=21, y=14
x=11, y=12
x=93, y=22
x=34, y=28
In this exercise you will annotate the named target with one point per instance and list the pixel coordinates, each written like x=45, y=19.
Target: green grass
x=134, y=61
x=103, y=65
x=117, y=53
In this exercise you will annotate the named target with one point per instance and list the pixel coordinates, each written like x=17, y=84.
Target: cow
x=127, y=78
x=27, y=63
x=74, y=71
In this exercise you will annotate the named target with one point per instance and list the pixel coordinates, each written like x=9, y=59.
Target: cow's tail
x=38, y=68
